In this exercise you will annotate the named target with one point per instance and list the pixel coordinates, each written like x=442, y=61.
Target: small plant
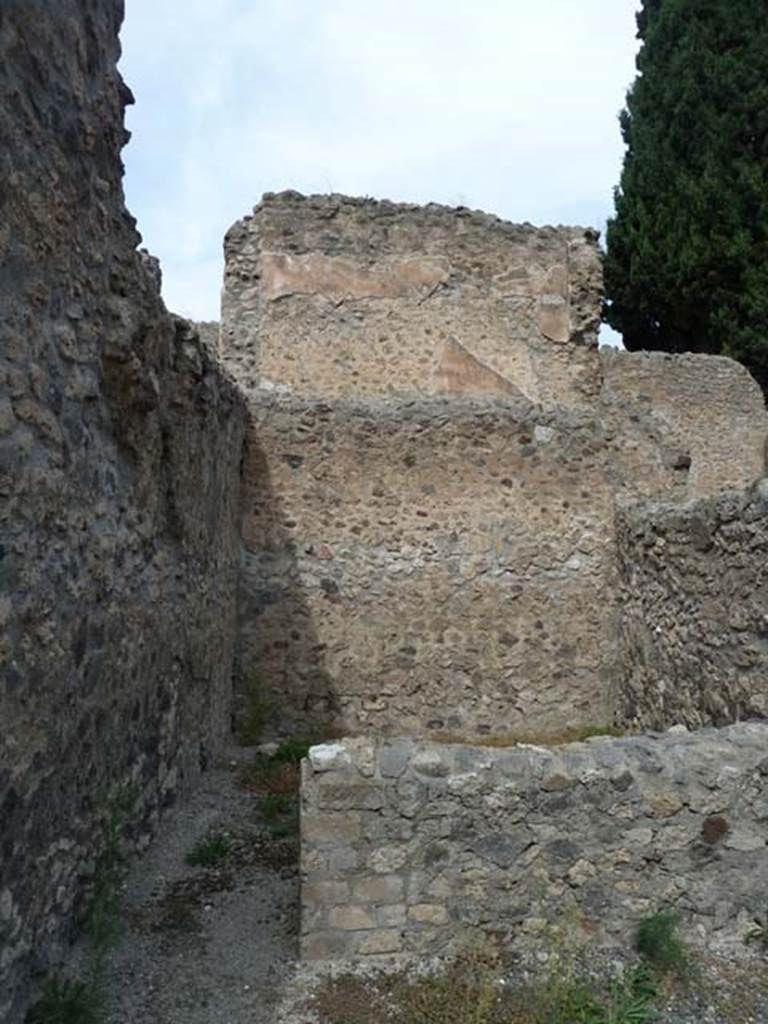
x=631, y=998
x=281, y=812
x=758, y=933
x=210, y=851
x=468, y=993
x=658, y=943
x=291, y=752
x=104, y=922
x=68, y=1001
x=565, y=997
x=473, y=989
x=82, y=1000
x=278, y=772
x=276, y=805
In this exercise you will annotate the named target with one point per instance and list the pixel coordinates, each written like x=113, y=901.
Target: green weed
x=758, y=933
x=276, y=773
x=82, y=1000
x=210, y=851
x=68, y=1001
x=281, y=813
x=291, y=752
x=658, y=943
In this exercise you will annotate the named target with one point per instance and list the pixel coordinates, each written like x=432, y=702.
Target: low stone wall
x=694, y=603
x=407, y=847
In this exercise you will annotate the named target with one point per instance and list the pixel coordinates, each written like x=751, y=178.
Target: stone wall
x=694, y=603
x=119, y=463
x=331, y=296
x=433, y=566
x=709, y=409
x=411, y=847
x=434, y=461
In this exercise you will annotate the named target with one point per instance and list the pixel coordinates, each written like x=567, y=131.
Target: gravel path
x=208, y=945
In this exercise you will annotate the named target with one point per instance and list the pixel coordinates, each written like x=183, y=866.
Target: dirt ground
x=208, y=945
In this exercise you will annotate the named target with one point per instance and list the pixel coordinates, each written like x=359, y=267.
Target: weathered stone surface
x=428, y=566
x=119, y=454
x=434, y=464
x=332, y=296
x=515, y=861
x=284, y=274
x=709, y=408
x=459, y=372
x=327, y=756
x=694, y=596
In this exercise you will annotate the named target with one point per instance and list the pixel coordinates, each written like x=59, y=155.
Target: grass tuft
x=758, y=932
x=659, y=944
x=82, y=1000
x=68, y=1001
x=210, y=851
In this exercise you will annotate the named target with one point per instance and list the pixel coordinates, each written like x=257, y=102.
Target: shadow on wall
x=423, y=567
x=279, y=651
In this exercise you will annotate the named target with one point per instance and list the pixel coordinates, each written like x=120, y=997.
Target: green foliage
x=210, y=851
x=631, y=998
x=275, y=805
x=82, y=1000
x=570, y=996
x=281, y=812
x=658, y=943
x=104, y=921
x=291, y=752
x=758, y=933
x=687, y=259
x=68, y=1001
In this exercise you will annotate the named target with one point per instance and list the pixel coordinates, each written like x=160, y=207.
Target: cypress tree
x=687, y=250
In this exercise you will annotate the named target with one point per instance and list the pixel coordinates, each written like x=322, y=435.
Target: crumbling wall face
x=331, y=296
x=119, y=457
x=410, y=847
x=708, y=410
x=694, y=595
x=427, y=567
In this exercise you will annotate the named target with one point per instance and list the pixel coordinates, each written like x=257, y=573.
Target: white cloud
x=503, y=105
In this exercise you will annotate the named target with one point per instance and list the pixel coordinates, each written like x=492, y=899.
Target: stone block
x=388, y=940
x=378, y=889
x=428, y=914
x=387, y=859
x=391, y=916
x=331, y=828
x=350, y=918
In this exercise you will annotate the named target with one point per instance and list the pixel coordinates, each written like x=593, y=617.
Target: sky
x=509, y=106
